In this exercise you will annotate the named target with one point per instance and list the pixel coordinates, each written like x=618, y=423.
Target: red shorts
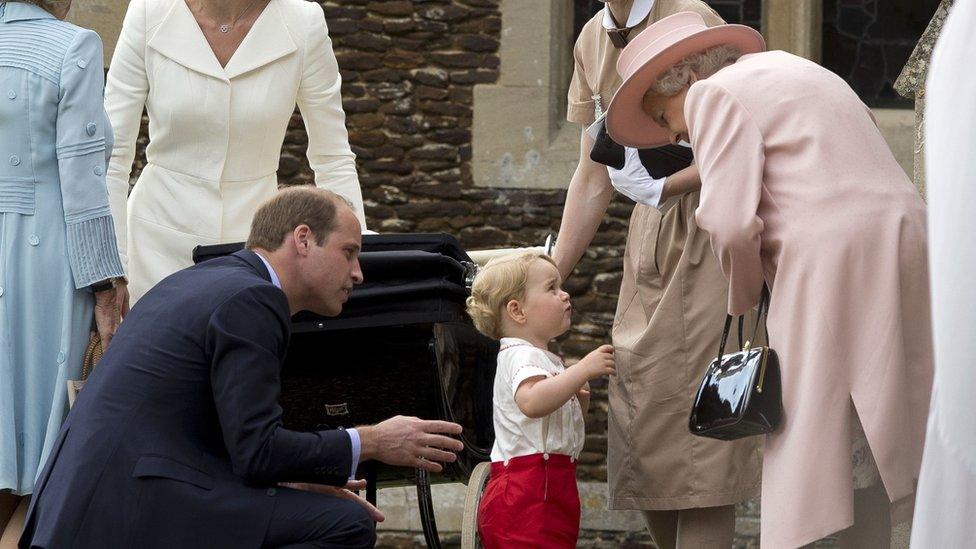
x=531, y=502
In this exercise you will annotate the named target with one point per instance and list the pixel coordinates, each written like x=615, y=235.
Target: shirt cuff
x=356, y=451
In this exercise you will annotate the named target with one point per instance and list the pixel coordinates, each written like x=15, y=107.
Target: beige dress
x=669, y=319
x=800, y=189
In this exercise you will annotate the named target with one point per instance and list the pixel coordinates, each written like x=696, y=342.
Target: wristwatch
x=106, y=284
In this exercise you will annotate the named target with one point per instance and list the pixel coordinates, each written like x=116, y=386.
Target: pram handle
x=480, y=257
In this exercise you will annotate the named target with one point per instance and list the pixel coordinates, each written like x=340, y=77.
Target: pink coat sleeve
x=730, y=155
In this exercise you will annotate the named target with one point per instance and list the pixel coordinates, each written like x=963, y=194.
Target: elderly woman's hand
x=122, y=296
x=108, y=312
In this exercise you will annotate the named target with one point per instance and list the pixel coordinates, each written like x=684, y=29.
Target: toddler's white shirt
x=515, y=433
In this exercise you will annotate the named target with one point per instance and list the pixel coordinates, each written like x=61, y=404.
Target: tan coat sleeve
x=580, y=106
x=320, y=102
x=731, y=157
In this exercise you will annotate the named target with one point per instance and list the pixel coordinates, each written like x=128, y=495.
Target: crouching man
x=176, y=440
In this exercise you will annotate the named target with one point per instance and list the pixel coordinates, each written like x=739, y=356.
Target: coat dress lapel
x=268, y=40
x=180, y=38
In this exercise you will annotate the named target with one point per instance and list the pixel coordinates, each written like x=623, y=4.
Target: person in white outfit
x=220, y=81
x=946, y=500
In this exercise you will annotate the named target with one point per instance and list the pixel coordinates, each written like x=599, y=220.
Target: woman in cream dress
x=220, y=81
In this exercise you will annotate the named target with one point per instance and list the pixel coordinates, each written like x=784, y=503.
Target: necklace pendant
x=224, y=28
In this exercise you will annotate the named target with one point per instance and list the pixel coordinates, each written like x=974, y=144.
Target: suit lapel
x=267, y=41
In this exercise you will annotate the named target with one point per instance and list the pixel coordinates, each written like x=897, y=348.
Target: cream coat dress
x=215, y=133
x=800, y=189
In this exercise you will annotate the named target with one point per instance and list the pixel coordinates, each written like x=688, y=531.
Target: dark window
x=743, y=12
x=582, y=12
x=867, y=42
x=746, y=12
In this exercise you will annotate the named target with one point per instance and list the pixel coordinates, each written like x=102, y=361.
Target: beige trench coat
x=667, y=327
x=800, y=189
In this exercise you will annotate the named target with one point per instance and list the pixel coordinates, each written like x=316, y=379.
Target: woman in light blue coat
x=58, y=254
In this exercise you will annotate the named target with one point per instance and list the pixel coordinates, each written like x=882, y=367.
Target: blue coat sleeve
x=247, y=336
x=81, y=142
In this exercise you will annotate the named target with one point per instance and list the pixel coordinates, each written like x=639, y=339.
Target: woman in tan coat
x=669, y=314
x=800, y=191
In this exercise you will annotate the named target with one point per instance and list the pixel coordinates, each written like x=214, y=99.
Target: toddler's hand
x=599, y=362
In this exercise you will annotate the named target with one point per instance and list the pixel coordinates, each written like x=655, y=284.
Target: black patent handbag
x=740, y=394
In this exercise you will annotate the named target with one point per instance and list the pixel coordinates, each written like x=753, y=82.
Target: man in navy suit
x=176, y=440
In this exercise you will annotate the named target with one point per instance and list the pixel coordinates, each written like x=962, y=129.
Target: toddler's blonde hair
x=500, y=281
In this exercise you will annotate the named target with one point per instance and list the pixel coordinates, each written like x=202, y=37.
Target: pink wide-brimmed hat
x=649, y=55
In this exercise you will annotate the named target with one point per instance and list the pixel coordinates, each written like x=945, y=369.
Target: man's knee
x=318, y=520
x=356, y=528
x=362, y=529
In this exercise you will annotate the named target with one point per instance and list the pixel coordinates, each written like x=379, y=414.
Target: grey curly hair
x=58, y=8
x=702, y=65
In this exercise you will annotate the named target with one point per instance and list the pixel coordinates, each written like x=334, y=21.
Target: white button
x=34, y=241
x=61, y=358
x=99, y=170
x=82, y=63
x=1, y=290
x=12, y=94
x=14, y=160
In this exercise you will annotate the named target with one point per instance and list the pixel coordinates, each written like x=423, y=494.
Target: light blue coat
x=56, y=231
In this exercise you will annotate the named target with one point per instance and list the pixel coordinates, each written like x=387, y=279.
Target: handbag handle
x=763, y=311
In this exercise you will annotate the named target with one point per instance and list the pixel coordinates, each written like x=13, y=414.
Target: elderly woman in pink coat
x=800, y=191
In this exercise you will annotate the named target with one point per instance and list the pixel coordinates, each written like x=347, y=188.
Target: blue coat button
x=99, y=170
x=34, y=241
x=91, y=128
x=14, y=160
x=61, y=358
x=82, y=63
x=12, y=94
x=1, y=290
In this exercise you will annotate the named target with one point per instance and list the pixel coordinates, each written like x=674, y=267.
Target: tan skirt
x=669, y=319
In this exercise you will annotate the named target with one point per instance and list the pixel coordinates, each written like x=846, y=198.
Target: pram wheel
x=472, y=499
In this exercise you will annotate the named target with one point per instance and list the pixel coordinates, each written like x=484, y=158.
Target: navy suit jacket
x=176, y=439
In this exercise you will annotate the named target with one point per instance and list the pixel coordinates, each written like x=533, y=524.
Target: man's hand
x=344, y=493
x=411, y=442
